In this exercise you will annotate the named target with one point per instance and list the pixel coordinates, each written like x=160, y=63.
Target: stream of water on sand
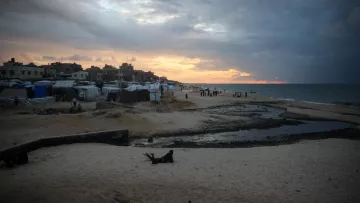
x=255, y=111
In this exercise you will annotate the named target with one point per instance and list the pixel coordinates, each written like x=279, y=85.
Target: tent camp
x=87, y=93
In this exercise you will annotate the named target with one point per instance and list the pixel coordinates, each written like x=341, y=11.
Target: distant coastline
x=343, y=94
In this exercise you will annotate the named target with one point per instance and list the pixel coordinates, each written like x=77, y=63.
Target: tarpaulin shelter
x=134, y=96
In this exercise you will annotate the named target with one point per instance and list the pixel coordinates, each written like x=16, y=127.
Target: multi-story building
x=66, y=68
x=13, y=69
x=80, y=75
x=49, y=71
x=145, y=76
x=94, y=73
x=126, y=71
x=110, y=73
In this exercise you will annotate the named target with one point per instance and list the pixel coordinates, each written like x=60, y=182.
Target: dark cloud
x=49, y=58
x=77, y=57
x=74, y=57
x=298, y=41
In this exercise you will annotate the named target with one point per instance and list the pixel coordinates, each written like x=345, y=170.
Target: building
x=66, y=68
x=110, y=73
x=49, y=71
x=163, y=80
x=80, y=75
x=126, y=71
x=13, y=69
x=94, y=73
x=145, y=76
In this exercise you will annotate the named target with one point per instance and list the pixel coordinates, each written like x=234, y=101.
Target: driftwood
x=167, y=158
x=114, y=137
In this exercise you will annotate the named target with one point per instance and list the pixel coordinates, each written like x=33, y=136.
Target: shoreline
x=174, y=116
x=348, y=103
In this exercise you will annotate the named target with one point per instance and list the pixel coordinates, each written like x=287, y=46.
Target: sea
x=345, y=94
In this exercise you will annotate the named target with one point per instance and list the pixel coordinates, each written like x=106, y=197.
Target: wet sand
x=311, y=171
x=174, y=116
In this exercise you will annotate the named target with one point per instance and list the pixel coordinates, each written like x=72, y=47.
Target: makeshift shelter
x=106, y=90
x=87, y=93
x=41, y=86
x=155, y=93
x=44, y=83
x=40, y=91
x=133, y=96
x=64, y=93
x=64, y=83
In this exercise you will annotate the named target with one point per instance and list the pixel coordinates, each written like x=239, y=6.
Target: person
x=186, y=96
x=74, y=103
x=245, y=94
x=161, y=90
x=167, y=158
x=16, y=100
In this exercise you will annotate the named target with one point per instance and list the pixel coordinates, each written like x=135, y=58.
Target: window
x=3, y=72
x=67, y=69
x=22, y=72
x=81, y=75
x=35, y=72
x=12, y=72
x=29, y=72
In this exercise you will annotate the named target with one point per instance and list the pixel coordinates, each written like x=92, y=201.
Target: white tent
x=106, y=90
x=64, y=83
x=88, y=93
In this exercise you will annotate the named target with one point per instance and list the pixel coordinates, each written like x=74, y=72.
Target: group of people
x=239, y=94
x=207, y=92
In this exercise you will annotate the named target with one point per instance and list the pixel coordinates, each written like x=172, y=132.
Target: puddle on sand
x=249, y=135
x=257, y=111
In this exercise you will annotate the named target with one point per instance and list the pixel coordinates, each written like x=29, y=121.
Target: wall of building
x=80, y=75
x=94, y=73
x=66, y=68
x=22, y=72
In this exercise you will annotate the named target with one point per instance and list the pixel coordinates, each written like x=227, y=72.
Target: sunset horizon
x=229, y=42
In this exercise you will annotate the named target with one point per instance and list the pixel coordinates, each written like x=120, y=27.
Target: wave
x=322, y=103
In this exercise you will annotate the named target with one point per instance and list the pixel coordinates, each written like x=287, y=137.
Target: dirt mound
x=113, y=115
x=170, y=103
x=104, y=105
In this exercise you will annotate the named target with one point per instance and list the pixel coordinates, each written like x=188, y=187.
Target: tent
x=44, y=83
x=106, y=90
x=64, y=83
x=87, y=93
x=40, y=91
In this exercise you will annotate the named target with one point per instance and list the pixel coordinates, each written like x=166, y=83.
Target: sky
x=193, y=41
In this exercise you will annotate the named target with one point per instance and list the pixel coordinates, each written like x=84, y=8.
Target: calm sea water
x=321, y=93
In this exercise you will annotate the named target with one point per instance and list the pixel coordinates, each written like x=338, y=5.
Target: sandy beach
x=322, y=170
x=313, y=171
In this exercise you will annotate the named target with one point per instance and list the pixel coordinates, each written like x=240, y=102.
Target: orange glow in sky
x=174, y=67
